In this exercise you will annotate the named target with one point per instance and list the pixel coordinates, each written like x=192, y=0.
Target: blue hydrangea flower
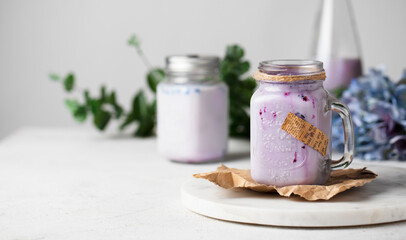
x=378, y=109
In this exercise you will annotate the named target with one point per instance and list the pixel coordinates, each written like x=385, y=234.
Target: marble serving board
x=381, y=201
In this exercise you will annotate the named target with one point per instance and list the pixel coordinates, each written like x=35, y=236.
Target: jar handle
x=345, y=114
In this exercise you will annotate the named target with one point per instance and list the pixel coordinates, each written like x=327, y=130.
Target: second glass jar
x=192, y=110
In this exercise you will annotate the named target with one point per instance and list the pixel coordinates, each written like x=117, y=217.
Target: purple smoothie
x=277, y=158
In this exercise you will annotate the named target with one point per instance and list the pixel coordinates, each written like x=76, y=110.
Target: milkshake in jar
x=192, y=109
x=294, y=88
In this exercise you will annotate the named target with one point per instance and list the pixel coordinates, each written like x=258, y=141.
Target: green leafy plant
x=233, y=68
x=104, y=108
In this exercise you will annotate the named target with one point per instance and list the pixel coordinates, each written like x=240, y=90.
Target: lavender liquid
x=340, y=72
x=192, y=121
x=277, y=158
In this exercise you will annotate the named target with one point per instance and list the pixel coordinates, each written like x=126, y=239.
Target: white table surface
x=79, y=184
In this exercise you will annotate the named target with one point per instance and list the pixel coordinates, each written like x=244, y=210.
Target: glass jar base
x=197, y=160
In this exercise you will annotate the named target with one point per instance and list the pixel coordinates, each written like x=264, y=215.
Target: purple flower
x=378, y=109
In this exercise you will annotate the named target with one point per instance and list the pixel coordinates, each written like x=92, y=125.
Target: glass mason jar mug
x=277, y=157
x=192, y=110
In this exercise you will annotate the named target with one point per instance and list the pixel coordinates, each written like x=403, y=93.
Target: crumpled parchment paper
x=339, y=181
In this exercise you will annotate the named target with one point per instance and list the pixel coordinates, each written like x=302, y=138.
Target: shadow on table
x=241, y=156
x=230, y=157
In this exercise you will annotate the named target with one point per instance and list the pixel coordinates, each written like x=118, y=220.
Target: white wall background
x=89, y=38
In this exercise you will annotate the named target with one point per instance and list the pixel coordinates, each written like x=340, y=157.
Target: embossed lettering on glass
x=278, y=158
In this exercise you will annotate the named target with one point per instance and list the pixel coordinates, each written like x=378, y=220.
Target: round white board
x=381, y=201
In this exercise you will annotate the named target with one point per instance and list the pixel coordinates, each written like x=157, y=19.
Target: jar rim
x=290, y=70
x=192, y=63
x=288, y=67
